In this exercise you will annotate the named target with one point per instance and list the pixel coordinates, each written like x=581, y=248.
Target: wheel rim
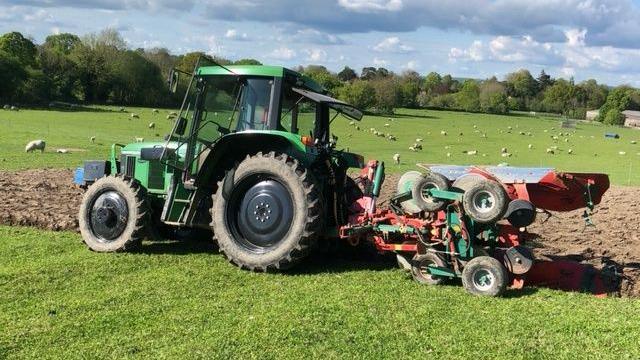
x=424, y=269
x=260, y=213
x=484, y=202
x=483, y=279
x=426, y=195
x=108, y=216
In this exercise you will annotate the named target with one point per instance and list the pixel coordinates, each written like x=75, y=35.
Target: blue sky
x=474, y=38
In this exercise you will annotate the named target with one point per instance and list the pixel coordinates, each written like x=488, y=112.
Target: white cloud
x=283, y=53
x=411, y=65
x=371, y=5
x=392, y=45
x=316, y=55
x=233, y=34
x=380, y=62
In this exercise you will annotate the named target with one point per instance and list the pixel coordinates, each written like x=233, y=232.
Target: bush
x=614, y=117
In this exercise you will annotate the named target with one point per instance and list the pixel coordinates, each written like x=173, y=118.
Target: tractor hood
x=337, y=105
x=134, y=148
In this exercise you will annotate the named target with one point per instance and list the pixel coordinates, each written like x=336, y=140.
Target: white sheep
x=503, y=150
x=122, y=109
x=14, y=108
x=570, y=151
x=412, y=148
x=506, y=155
x=448, y=154
x=417, y=146
x=396, y=158
x=530, y=146
x=352, y=123
x=170, y=117
x=622, y=152
x=135, y=116
x=92, y=139
x=7, y=107
x=550, y=151
x=357, y=127
x=152, y=125
x=35, y=145
x=62, y=151
x=443, y=133
x=391, y=137
x=173, y=113
x=472, y=152
x=418, y=140
x=155, y=111
x=387, y=125
x=139, y=139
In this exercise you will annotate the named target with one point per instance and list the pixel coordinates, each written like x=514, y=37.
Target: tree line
x=99, y=68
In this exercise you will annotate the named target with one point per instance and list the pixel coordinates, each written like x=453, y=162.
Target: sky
x=583, y=39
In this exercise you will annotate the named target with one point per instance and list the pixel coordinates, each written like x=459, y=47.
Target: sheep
x=15, y=108
x=417, y=146
x=135, y=116
x=503, y=150
x=412, y=148
x=139, y=139
x=372, y=129
x=35, y=145
x=484, y=136
x=448, y=154
x=152, y=125
x=570, y=151
x=566, y=140
x=622, y=152
x=475, y=126
x=530, y=146
x=7, y=107
x=92, y=139
x=555, y=138
x=357, y=127
x=173, y=113
x=443, y=133
x=122, y=109
x=418, y=140
x=62, y=151
x=506, y=155
x=633, y=142
x=396, y=158
x=472, y=152
x=391, y=137
x=387, y=125
x=155, y=111
x=170, y=117
x=509, y=127
x=503, y=164
x=550, y=151
x=352, y=123
x=460, y=134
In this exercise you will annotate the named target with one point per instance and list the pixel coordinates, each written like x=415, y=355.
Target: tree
x=468, y=98
x=368, y=73
x=521, y=84
x=408, y=89
x=359, y=93
x=544, y=80
x=493, y=97
x=432, y=82
x=12, y=76
x=322, y=76
x=618, y=99
x=347, y=74
x=558, y=97
x=614, y=117
x=62, y=43
x=19, y=47
x=386, y=96
x=247, y=62
x=594, y=94
x=136, y=80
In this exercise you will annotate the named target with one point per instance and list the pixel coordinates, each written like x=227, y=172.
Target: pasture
x=182, y=300
x=591, y=151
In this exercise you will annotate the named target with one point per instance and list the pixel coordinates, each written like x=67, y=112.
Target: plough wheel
x=422, y=197
x=486, y=201
x=484, y=276
x=420, y=268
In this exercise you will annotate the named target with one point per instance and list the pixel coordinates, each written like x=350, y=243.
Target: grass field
x=59, y=300
x=591, y=151
x=183, y=300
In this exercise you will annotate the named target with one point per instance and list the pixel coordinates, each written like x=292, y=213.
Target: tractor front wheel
x=113, y=215
x=269, y=217
x=484, y=276
x=420, y=268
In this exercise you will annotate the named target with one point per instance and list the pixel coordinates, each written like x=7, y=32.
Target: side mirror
x=181, y=125
x=174, y=77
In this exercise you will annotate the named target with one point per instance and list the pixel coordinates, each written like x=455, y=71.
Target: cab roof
x=264, y=70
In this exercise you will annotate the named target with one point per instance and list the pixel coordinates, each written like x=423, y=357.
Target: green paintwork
x=377, y=181
x=441, y=271
x=395, y=229
x=294, y=139
x=244, y=70
x=446, y=194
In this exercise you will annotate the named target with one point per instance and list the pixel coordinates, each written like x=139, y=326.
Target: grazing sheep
x=417, y=146
x=357, y=127
x=570, y=151
x=566, y=140
x=448, y=154
x=622, y=152
x=530, y=146
x=372, y=129
x=152, y=125
x=418, y=140
x=484, y=136
x=475, y=126
x=391, y=137
x=550, y=151
x=396, y=158
x=35, y=145
x=139, y=139
x=92, y=139
x=173, y=113
x=387, y=125
x=443, y=133
x=503, y=164
x=7, y=107
x=390, y=119
x=521, y=132
x=135, y=116
x=555, y=138
x=62, y=151
x=503, y=150
x=412, y=148
x=170, y=117
x=509, y=127
x=633, y=142
x=155, y=111
x=471, y=152
x=122, y=109
x=506, y=155
x=352, y=123
x=14, y=108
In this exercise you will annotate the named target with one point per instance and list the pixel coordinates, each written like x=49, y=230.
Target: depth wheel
x=484, y=276
x=421, y=195
x=420, y=268
x=113, y=215
x=272, y=216
x=485, y=202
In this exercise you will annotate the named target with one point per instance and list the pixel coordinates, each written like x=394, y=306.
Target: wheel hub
x=108, y=216
x=484, y=202
x=483, y=279
x=264, y=215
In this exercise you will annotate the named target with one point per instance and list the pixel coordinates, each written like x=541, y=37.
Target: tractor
x=250, y=159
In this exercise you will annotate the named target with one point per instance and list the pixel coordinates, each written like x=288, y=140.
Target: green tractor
x=250, y=159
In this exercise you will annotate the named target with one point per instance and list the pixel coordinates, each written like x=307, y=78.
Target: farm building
x=592, y=114
x=631, y=118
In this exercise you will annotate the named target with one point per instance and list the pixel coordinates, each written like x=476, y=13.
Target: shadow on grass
x=397, y=116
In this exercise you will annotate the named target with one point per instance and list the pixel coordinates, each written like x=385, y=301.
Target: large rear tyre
x=484, y=276
x=421, y=195
x=485, y=202
x=113, y=215
x=271, y=217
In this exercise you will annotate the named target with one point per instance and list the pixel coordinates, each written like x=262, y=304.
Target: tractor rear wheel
x=113, y=215
x=270, y=216
x=484, y=276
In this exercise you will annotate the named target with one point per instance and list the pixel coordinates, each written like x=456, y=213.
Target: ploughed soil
x=48, y=199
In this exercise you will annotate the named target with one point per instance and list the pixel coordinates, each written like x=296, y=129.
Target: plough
x=471, y=223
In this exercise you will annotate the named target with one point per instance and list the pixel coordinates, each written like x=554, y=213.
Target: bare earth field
x=48, y=199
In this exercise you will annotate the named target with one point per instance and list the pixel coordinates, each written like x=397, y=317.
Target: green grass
x=181, y=300
x=73, y=130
